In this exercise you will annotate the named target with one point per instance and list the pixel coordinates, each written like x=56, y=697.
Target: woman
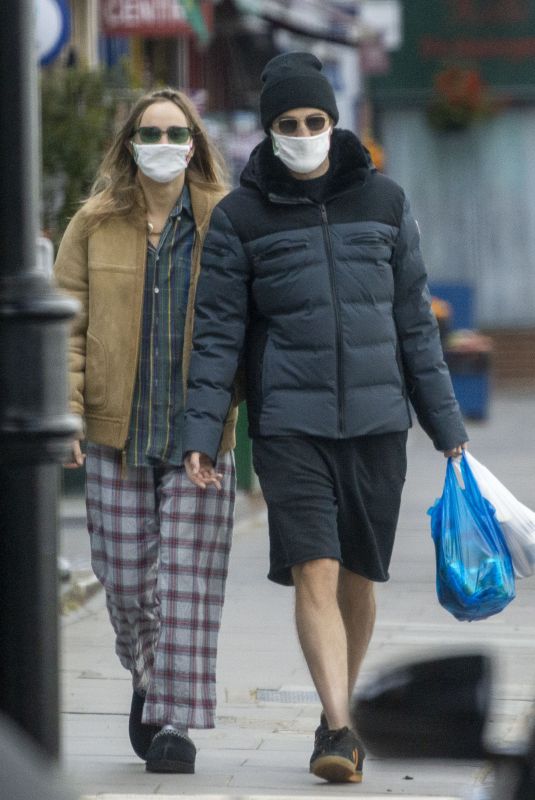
x=131, y=256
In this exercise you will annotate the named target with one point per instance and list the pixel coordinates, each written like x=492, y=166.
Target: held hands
x=78, y=457
x=200, y=470
x=199, y=467
x=455, y=451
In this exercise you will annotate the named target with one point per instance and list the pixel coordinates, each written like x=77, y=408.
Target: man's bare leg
x=322, y=635
x=356, y=600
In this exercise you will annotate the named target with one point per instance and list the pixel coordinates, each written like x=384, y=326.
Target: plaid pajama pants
x=160, y=548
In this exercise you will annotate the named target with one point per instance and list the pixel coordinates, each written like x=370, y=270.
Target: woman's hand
x=455, y=451
x=78, y=457
x=200, y=470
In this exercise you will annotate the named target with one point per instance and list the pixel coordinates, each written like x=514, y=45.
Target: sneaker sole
x=170, y=766
x=336, y=769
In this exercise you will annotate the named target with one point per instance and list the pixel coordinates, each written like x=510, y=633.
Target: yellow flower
x=440, y=308
x=376, y=151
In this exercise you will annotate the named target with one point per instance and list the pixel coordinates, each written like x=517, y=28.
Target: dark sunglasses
x=150, y=134
x=314, y=122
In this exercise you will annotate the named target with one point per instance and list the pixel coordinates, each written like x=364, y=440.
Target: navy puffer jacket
x=324, y=304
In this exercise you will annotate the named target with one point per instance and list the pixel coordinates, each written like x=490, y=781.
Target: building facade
x=457, y=118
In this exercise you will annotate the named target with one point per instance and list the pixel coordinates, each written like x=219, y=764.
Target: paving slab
x=255, y=796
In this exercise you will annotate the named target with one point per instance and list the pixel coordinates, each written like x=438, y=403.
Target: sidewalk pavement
x=267, y=707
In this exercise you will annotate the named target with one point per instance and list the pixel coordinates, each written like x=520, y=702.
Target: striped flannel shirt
x=156, y=421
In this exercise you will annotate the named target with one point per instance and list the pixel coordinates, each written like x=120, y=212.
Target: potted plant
x=460, y=98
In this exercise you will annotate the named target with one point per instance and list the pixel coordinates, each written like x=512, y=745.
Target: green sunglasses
x=150, y=134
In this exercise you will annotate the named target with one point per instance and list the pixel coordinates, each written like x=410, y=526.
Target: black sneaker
x=171, y=751
x=140, y=735
x=338, y=756
x=322, y=727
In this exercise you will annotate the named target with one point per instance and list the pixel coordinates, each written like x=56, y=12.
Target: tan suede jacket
x=105, y=272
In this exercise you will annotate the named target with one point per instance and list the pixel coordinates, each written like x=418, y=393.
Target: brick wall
x=513, y=358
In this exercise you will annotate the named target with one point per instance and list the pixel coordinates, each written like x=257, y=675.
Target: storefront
x=457, y=113
x=164, y=38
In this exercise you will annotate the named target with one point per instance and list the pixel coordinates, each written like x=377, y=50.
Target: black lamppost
x=35, y=428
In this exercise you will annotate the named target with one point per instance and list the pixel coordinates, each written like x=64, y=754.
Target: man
x=312, y=277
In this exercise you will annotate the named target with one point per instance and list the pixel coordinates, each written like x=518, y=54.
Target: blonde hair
x=115, y=191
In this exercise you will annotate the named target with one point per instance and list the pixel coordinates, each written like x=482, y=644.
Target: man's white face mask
x=162, y=162
x=302, y=154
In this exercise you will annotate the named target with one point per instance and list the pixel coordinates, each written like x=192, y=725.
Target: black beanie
x=294, y=80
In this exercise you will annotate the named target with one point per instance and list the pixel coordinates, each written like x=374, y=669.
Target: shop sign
x=494, y=37
x=51, y=28
x=144, y=18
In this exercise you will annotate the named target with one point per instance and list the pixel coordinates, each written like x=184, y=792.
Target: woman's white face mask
x=162, y=162
x=302, y=154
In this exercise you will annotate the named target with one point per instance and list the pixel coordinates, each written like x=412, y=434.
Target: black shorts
x=331, y=498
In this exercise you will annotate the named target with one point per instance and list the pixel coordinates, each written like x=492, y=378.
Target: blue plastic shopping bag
x=475, y=577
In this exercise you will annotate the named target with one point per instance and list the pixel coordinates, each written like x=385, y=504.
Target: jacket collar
x=350, y=164
x=203, y=201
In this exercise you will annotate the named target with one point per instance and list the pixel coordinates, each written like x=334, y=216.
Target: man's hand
x=78, y=457
x=455, y=451
x=200, y=470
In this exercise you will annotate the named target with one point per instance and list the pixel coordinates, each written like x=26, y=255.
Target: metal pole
x=35, y=428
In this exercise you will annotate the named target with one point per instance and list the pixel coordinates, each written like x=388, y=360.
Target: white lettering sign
x=132, y=13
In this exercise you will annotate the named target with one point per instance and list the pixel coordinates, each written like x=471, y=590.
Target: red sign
x=489, y=12
x=144, y=18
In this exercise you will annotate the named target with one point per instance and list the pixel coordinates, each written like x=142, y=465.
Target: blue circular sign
x=52, y=28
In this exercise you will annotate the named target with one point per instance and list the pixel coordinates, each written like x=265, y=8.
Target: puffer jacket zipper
x=282, y=200
x=336, y=308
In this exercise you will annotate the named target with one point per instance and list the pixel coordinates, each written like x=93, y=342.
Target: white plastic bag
x=517, y=521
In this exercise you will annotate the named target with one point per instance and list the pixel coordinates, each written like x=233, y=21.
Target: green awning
x=195, y=19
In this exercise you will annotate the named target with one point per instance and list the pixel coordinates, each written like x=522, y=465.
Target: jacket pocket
x=96, y=373
x=283, y=248
x=369, y=249
x=369, y=238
